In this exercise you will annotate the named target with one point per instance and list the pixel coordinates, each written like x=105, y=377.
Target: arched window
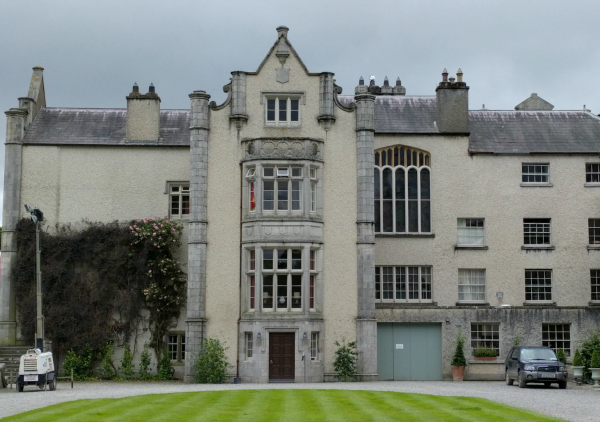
x=402, y=190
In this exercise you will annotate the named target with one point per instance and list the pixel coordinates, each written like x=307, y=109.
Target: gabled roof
x=101, y=126
x=530, y=132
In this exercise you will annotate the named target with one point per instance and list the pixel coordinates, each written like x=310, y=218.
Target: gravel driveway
x=576, y=403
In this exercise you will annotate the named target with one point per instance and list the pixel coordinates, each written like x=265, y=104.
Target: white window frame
x=405, y=284
x=595, y=285
x=176, y=345
x=557, y=336
x=538, y=229
x=248, y=345
x=485, y=335
x=313, y=172
x=471, y=285
x=470, y=232
x=183, y=190
x=534, y=171
x=288, y=97
x=592, y=174
x=294, y=298
x=282, y=174
x=594, y=231
x=534, y=287
x=314, y=345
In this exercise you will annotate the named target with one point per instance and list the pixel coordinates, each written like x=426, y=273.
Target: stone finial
x=282, y=31
x=372, y=81
x=386, y=82
x=459, y=75
x=445, y=76
x=151, y=88
x=361, y=81
x=398, y=82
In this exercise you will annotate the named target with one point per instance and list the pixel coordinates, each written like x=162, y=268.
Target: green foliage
x=577, y=361
x=587, y=349
x=81, y=364
x=517, y=339
x=107, y=368
x=164, y=368
x=211, y=365
x=145, y=362
x=126, y=367
x=595, y=361
x=484, y=352
x=93, y=274
x=344, y=364
x=560, y=354
x=459, y=355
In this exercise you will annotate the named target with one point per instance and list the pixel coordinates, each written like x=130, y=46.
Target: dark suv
x=534, y=364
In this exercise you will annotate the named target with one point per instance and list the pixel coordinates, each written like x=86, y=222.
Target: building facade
x=313, y=217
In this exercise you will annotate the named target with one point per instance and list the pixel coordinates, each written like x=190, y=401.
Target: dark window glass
x=271, y=110
x=388, y=211
x=282, y=259
x=294, y=110
x=377, y=281
x=377, y=200
x=282, y=110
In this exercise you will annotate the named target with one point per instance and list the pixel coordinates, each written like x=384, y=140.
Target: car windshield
x=537, y=354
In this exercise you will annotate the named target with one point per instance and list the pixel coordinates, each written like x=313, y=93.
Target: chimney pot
x=136, y=88
x=151, y=88
x=386, y=82
x=361, y=81
x=398, y=83
x=372, y=81
x=452, y=80
x=445, y=76
x=459, y=75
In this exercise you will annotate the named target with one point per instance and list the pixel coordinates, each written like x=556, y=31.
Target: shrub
x=164, y=369
x=81, y=364
x=107, y=369
x=145, y=362
x=211, y=365
x=560, y=354
x=459, y=355
x=485, y=353
x=344, y=364
x=595, y=361
x=587, y=349
x=126, y=367
x=577, y=358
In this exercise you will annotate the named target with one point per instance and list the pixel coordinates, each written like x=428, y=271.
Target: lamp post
x=37, y=216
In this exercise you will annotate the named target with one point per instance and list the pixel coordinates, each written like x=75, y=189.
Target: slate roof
x=101, y=126
x=529, y=132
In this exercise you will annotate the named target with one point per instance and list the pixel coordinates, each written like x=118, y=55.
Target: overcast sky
x=93, y=51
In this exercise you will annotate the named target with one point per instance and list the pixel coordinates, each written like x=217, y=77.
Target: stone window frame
x=176, y=346
x=422, y=200
x=534, y=290
x=280, y=174
x=314, y=345
x=310, y=297
x=485, y=335
x=557, y=330
x=472, y=229
x=592, y=174
x=267, y=97
x=181, y=193
x=396, y=283
x=471, y=274
x=530, y=172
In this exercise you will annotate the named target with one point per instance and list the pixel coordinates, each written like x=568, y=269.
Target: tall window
x=592, y=173
x=535, y=173
x=314, y=345
x=252, y=278
x=402, y=181
x=313, y=190
x=179, y=199
x=313, y=279
x=538, y=285
x=485, y=336
x=594, y=230
x=282, y=188
x=403, y=284
x=282, y=279
x=536, y=231
x=595, y=283
x=557, y=336
x=470, y=232
x=249, y=344
x=283, y=111
x=471, y=285
x=176, y=346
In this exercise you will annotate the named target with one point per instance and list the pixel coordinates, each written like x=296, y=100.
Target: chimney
x=143, y=115
x=452, y=104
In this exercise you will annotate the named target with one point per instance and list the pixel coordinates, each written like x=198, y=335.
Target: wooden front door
x=281, y=356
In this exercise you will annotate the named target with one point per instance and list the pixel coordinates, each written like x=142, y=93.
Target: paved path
x=576, y=403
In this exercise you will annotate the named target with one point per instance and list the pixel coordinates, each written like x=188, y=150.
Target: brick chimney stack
x=143, y=115
x=452, y=104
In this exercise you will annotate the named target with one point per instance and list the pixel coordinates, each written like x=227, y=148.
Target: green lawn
x=283, y=405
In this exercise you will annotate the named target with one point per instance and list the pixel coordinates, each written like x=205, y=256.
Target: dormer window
x=282, y=109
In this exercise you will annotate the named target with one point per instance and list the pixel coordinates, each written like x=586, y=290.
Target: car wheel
x=53, y=384
x=509, y=380
x=521, y=380
x=42, y=386
x=547, y=384
x=562, y=385
x=19, y=387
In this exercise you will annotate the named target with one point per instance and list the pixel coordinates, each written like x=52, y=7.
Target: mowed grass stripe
x=283, y=405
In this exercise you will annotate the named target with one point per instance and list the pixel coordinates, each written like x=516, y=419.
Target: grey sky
x=93, y=52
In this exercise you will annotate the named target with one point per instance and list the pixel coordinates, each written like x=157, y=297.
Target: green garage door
x=409, y=352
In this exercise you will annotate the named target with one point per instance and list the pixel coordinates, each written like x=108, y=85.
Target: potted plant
x=560, y=355
x=485, y=354
x=595, y=366
x=458, y=360
x=577, y=367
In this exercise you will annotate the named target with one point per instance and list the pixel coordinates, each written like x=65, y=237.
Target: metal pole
x=39, y=334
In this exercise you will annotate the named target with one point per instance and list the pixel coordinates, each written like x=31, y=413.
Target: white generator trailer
x=36, y=368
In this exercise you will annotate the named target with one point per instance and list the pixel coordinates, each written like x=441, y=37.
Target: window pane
x=252, y=291
x=312, y=292
x=425, y=217
x=424, y=184
x=282, y=195
x=294, y=110
x=268, y=259
x=387, y=282
x=282, y=294
x=271, y=110
x=413, y=205
x=376, y=183
x=296, y=194
x=175, y=205
x=282, y=110
x=185, y=204
x=296, y=291
x=282, y=255
x=595, y=283
x=268, y=194
x=471, y=285
x=268, y=291
x=297, y=259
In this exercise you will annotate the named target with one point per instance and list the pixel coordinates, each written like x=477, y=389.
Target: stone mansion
x=312, y=216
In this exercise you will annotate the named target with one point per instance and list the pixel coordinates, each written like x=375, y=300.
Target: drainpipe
x=237, y=379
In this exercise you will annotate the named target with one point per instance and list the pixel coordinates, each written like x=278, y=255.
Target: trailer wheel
x=52, y=384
